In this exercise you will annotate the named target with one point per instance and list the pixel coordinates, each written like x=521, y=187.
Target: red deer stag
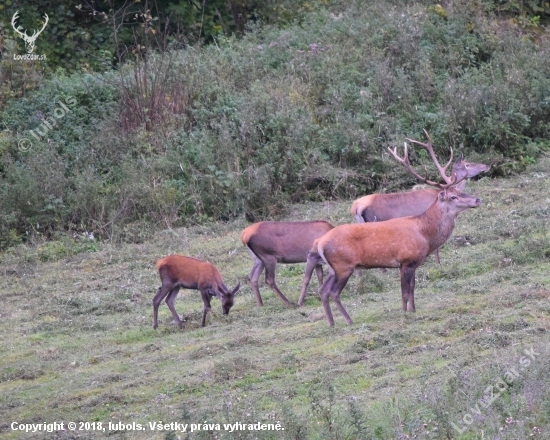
x=397, y=243
x=177, y=271
x=381, y=207
x=281, y=242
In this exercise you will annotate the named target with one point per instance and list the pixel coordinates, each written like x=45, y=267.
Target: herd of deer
x=393, y=231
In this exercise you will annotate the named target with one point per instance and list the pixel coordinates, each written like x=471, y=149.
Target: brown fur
x=280, y=242
x=381, y=207
x=402, y=242
x=177, y=271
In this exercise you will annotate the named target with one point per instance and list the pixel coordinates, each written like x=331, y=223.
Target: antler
x=429, y=147
x=37, y=33
x=13, y=20
x=405, y=162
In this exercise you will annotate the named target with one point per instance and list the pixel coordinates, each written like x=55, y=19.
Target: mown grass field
x=77, y=344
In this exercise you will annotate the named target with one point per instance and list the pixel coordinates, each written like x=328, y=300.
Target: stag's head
x=456, y=200
x=29, y=40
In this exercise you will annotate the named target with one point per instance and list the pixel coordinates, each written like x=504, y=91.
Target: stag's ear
x=442, y=195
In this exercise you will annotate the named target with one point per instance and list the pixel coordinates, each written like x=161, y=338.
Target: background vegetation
x=299, y=110
x=94, y=34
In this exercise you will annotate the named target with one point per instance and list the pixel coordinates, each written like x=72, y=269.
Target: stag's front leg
x=407, y=287
x=412, y=282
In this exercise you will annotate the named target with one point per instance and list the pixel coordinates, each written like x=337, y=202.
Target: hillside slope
x=78, y=345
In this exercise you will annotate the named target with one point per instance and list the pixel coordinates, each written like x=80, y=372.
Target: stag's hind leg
x=335, y=295
x=325, y=295
x=436, y=255
x=331, y=289
x=319, y=272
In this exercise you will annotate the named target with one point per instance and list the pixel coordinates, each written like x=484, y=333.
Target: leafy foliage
x=247, y=125
x=94, y=35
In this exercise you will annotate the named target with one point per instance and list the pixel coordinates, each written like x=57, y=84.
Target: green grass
x=77, y=342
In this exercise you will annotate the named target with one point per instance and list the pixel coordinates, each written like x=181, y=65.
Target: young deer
x=177, y=271
x=281, y=242
x=381, y=207
x=397, y=243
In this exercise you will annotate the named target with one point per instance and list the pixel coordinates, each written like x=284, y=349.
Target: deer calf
x=177, y=271
x=281, y=242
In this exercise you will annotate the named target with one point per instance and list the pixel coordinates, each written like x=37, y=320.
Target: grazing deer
x=177, y=271
x=381, y=207
x=397, y=243
x=281, y=242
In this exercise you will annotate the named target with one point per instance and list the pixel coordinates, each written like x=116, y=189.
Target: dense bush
x=79, y=36
x=248, y=125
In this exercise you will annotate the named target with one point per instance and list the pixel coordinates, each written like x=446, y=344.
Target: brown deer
x=281, y=242
x=397, y=243
x=381, y=207
x=177, y=271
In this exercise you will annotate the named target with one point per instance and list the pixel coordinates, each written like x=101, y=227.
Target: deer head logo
x=29, y=41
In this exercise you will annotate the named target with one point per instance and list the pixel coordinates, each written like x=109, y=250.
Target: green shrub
x=245, y=126
x=65, y=247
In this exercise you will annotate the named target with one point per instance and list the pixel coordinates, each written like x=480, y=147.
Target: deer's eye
x=454, y=197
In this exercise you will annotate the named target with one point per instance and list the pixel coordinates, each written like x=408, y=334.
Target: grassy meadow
x=77, y=341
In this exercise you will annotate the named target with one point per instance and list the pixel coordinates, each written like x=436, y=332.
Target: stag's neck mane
x=438, y=224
